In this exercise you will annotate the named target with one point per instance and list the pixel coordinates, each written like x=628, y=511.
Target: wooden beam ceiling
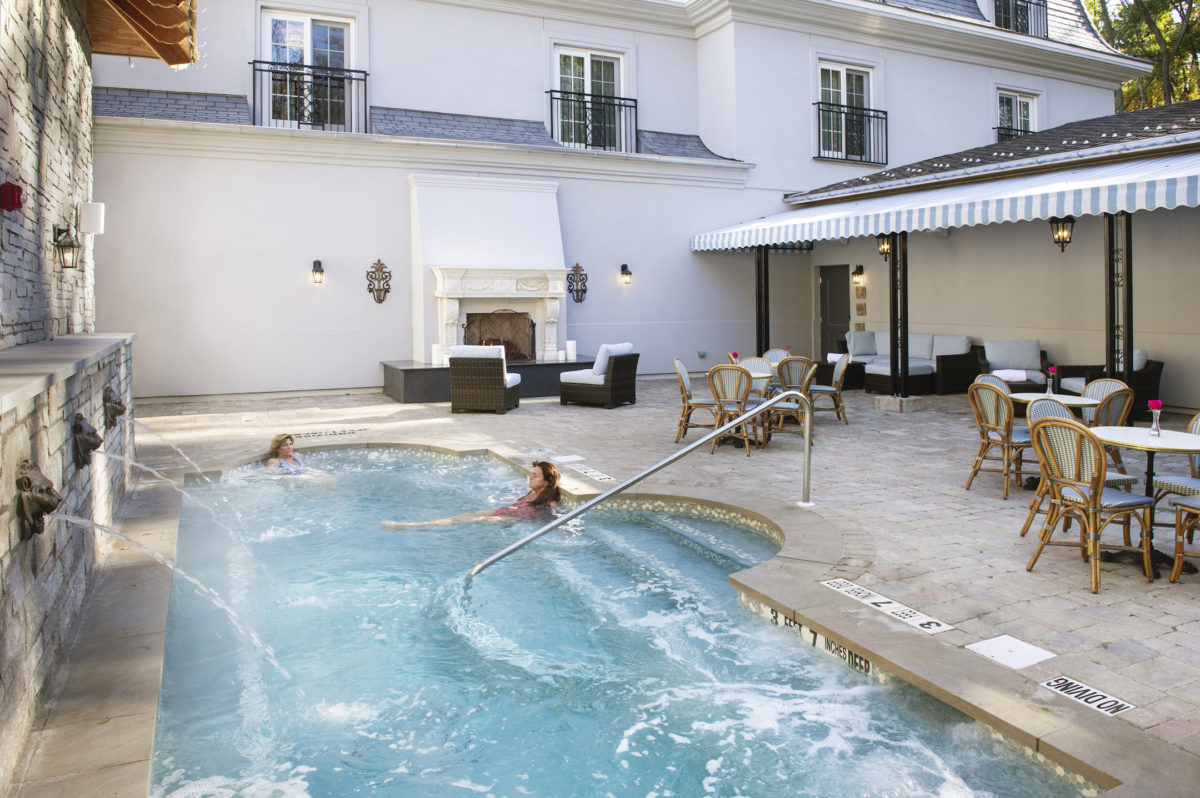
x=162, y=29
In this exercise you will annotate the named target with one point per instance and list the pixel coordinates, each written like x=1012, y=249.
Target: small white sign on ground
x=1008, y=650
x=885, y=605
x=1097, y=700
x=567, y=458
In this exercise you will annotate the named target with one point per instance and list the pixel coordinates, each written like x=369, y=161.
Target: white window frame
x=351, y=14
x=1018, y=97
x=621, y=53
x=827, y=147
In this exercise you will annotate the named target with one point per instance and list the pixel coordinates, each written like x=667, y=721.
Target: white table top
x=1140, y=438
x=1068, y=399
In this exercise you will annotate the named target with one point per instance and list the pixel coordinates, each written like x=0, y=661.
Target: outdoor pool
x=611, y=658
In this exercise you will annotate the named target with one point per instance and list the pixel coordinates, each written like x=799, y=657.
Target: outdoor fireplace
x=514, y=330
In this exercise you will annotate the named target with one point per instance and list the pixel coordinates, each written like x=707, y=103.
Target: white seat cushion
x=512, y=380
x=582, y=377
x=1072, y=384
x=606, y=350
x=477, y=351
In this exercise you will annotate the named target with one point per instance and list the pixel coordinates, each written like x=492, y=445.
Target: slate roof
x=180, y=106
x=431, y=125
x=1066, y=21
x=1103, y=131
x=678, y=145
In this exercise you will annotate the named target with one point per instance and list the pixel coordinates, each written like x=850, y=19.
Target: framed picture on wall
x=860, y=292
x=859, y=326
x=860, y=309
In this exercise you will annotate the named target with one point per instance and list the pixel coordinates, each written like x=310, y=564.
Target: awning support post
x=898, y=282
x=762, y=301
x=1118, y=295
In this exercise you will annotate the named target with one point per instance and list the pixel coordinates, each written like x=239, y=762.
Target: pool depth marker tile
x=1103, y=703
x=895, y=609
x=588, y=471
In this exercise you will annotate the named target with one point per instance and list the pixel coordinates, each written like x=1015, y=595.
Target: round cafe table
x=1139, y=438
x=1068, y=399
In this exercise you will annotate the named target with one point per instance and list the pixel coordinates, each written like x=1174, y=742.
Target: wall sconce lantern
x=1061, y=228
x=577, y=283
x=379, y=281
x=66, y=247
x=885, y=244
x=318, y=273
x=857, y=274
x=626, y=275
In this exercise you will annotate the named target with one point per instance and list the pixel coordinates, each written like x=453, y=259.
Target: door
x=835, y=307
x=307, y=85
x=590, y=84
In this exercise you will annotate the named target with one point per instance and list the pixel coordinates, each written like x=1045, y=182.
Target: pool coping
x=73, y=747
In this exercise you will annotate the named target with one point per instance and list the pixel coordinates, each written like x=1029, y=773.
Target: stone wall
x=46, y=148
x=43, y=579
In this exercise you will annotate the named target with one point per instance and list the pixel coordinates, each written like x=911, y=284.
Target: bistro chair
x=993, y=380
x=795, y=374
x=833, y=391
x=691, y=403
x=1180, y=484
x=730, y=386
x=998, y=441
x=761, y=373
x=1113, y=411
x=1187, y=514
x=1052, y=408
x=1073, y=464
x=773, y=356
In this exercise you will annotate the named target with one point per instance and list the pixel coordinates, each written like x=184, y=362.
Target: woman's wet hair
x=550, y=492
x=280, y=440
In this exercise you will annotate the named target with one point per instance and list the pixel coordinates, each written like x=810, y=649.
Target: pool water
x=610, y=658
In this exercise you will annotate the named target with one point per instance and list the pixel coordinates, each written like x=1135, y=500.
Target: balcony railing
x=1022, y=16
x=846, y=133
x=593, y=121
x=309, y=97
x=1006, y=133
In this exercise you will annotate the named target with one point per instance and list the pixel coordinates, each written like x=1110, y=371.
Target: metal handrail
x=661, y=464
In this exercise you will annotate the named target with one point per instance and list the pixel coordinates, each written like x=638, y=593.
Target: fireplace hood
x=481, y=244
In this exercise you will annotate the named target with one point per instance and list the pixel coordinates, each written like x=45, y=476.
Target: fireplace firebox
x=516, y=331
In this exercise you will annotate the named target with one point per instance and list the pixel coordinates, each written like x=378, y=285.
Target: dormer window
x=1016, y=114
x=587, y=110
x=848, y=129
x=1022, y=16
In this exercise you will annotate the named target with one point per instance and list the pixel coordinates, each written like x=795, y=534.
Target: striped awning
x=1168, y=181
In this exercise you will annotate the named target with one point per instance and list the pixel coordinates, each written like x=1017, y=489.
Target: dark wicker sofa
x=619, y=386
x=478, y=383
x=1015, y=387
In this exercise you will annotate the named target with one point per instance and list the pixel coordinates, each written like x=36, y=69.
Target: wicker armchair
x=618, y=385
x=479, y=381
x=1014, y=387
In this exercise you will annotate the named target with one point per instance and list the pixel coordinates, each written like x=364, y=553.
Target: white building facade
x=500, y=143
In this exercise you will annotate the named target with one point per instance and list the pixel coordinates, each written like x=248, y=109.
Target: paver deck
x=889, y=512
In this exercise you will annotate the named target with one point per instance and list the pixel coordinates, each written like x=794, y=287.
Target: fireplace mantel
x=539, y=292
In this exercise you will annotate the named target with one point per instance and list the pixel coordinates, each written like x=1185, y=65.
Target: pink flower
x=788, y=348
x=735, y=354
x=1154, y=404
x=1052, y=370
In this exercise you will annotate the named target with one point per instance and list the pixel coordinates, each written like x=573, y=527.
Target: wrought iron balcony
x=1023, y=16
x=846, y=133
x=1006, y=133
x=309, y=97
x=593, y=121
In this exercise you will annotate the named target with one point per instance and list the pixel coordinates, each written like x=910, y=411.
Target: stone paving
x=890, y=484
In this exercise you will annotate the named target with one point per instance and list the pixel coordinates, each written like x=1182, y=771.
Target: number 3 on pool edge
x=930, y=624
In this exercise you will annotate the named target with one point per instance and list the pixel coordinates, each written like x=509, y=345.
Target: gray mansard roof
x=1066, y=21
x=1078, y=137
x=234, y=110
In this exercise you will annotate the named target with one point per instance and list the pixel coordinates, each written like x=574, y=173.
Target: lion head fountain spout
x=36, y=497
x=86, y=440
x=114, y=408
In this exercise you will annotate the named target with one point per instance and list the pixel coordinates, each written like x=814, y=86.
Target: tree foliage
x=1164, y=32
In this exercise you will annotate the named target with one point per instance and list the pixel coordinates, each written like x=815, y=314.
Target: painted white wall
x=1008, y=282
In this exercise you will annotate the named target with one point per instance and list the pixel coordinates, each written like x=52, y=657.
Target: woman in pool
x=543, y=493
x=282, y=455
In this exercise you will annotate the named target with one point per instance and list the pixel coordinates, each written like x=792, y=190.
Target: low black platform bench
x=409, y=382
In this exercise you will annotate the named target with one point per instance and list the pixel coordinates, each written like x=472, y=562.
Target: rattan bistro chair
x=1073, y=464
x=691, y=404
x=1187, y=515
x=730, y=386
x=1116, y=401
x=833, y=391
x=762, y=372
x=993, y=380
x=998, y=440
x=1181, y=484
x=795, y=374
x=480, y=381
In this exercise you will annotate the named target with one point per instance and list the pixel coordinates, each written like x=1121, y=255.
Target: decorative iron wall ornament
x=379, y=281
x=577, y=283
